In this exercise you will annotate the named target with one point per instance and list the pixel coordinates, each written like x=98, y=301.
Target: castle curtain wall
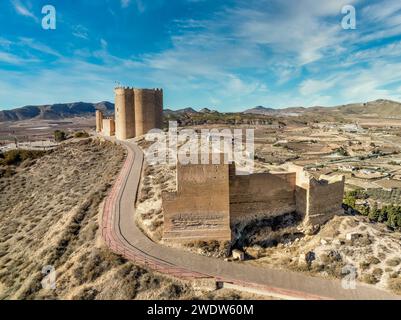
x=261, y=195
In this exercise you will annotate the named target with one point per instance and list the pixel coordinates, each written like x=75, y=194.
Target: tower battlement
x=123, y=90
x=137, y=111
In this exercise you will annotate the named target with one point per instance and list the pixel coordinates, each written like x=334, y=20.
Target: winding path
x=123, y=236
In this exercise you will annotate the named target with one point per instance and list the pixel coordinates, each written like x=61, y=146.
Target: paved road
x=123, y=236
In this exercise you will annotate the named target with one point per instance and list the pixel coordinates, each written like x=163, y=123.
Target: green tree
x=364, y=210
x=350, y=199
x=59, y=135
x=383, y=214
x=81, y=134
x=374, y=213
x=392, y=216
x=342, y=151
x=399, y=217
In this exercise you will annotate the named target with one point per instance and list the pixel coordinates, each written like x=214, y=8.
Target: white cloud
x=140, y=5
x=5, y=43
x=125, y=3
x=9, y=58
x=256, y=52
x=391, y=50
x=31, y=43
x=379, y=21
x=21, y=9
x=311, y=87
x=291, y=28
x=357, y=84
x=103, y=43
x=383, y=11
x=80, y=31
x=241, y=87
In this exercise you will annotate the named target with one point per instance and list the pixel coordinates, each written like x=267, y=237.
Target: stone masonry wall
x=211, y=200
x=324, y=199
x=148, y=110
x=108, y=127
x=261, y=195
x=199, y=210
x=124, y=113
x=137, y=111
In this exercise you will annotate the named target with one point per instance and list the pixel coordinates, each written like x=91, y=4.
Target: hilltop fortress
x=213, y=203
x=136, y=112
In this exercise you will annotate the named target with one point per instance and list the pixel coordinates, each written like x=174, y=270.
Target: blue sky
x=228, y=55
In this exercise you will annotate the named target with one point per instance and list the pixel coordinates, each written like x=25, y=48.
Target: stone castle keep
x=136, y=112
x=211, y=202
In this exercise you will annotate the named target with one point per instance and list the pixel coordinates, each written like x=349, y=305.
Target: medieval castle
x=136, y=112
x=212, y=202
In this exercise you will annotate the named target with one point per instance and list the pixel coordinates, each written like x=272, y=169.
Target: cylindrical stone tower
x=99, y=121
x=124, y=113
x=148, y=110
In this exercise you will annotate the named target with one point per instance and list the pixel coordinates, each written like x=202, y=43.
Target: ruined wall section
x=261, y=195
x=213, y=203
x=99, y=121
x=108, y=127
x=124, y=113
x=199, y=209
x=325, y=198
x=301, y=188
x=301, y=199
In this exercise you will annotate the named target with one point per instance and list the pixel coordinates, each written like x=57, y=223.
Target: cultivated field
x=368, y=157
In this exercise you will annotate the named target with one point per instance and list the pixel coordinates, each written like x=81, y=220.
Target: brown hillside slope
x=49, y=214
x=378, y=109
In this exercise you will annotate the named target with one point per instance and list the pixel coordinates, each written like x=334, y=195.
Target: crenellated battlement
x=123, y=90
x=137, y=110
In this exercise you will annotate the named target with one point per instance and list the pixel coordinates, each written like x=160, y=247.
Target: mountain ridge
x=381, y=108
x=378, y=108
x=55, y=111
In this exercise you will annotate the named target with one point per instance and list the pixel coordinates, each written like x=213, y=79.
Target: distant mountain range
x=55, y=111
x=180, y=111
x=378, y=108
x=272, y=111
x=188, y=111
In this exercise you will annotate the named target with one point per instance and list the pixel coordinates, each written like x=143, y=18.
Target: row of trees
x=15, y=157
x=190, y=119
x=389, y=214
x=60, y=136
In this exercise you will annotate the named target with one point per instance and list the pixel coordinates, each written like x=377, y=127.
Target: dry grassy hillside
x=374, y=252
x=49, y=211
